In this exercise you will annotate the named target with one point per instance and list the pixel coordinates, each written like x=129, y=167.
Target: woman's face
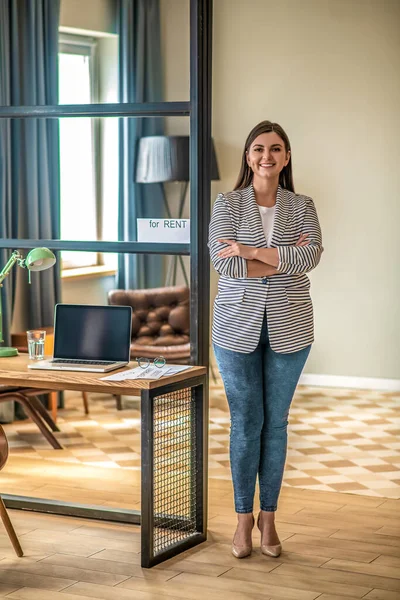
x=267, y=155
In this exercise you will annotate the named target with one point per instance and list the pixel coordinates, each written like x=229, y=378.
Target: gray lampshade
x=166, y=158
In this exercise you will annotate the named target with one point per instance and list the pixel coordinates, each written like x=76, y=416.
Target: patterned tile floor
x=339, y=440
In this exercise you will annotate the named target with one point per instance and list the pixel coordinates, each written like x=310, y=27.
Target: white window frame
x=87, y=46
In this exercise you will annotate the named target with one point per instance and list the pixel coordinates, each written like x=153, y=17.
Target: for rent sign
x=164, y=230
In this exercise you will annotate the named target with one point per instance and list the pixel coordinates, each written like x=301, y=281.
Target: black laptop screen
x=84, y=332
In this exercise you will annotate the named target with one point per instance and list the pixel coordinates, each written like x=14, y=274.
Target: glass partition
x=99, y=462
x=89, y=55
x=35, y=216
x=92, y=177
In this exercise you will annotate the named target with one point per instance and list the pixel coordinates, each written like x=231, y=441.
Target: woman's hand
x=303, y=241
x=249, y=252
x=237, y=249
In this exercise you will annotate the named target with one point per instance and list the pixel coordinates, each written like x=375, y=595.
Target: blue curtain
x=29, y=150
x=138, y=24
x=7, y=226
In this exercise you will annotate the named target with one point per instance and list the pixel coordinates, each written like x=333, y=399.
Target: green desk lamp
x=38, y=259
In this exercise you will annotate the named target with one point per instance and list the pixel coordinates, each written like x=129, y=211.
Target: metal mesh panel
x=174, y=452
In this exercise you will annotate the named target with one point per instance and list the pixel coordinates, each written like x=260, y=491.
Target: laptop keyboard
x=82, y=362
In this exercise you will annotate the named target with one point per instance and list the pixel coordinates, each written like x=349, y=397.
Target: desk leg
x=174, y=469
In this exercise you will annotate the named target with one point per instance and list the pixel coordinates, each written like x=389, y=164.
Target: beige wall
x=91, y=290
x=92, y=15
x=328, y=71
x=175, y=47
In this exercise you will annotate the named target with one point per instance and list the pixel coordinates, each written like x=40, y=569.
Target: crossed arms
x=232, y=259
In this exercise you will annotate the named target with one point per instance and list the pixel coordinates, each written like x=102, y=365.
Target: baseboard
x=341, y=381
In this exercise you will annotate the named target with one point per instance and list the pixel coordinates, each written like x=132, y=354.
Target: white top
x=267, y=215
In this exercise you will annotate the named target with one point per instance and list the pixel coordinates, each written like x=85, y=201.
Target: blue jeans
x=259, y=387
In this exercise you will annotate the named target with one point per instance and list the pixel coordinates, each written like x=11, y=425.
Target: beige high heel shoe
x=241, y=551
x=273, y=551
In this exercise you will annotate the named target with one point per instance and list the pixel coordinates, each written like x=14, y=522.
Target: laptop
x=89, y=338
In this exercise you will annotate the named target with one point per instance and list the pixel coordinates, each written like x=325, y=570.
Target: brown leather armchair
x=160, y=322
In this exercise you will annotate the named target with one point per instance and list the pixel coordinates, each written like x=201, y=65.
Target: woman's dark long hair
x=246, y=174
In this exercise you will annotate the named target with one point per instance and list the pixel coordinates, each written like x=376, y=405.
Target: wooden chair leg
x=85, y=402
x=36, y=418
x=34, y=400
x=118, y=401
x=53, y=405
x=34, y=415
x=10, y=529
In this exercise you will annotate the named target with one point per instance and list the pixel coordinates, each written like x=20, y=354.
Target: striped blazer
x=242, y=301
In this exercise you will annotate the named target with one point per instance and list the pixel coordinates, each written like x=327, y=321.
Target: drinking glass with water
x=36, y=339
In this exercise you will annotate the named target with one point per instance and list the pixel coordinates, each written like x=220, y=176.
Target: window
x=79, y=149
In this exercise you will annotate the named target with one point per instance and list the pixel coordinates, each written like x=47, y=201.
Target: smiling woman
x=267, y=153
x=266, y=157
x=263, y=240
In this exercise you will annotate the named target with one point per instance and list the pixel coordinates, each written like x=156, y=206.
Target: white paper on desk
x=174, y=369
x=149, y=372
x=156, y=372
x=152, y=372
x=136, y=373
x=119, y=376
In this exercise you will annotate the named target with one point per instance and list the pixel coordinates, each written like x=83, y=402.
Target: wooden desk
x=174, y=425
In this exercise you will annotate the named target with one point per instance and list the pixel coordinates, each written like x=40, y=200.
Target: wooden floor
x=80, y=484
x=335, y=546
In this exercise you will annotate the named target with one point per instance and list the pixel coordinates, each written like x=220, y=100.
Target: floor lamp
x=166, y=158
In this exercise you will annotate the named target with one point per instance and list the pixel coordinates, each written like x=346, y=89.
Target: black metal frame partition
x=198, y=109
